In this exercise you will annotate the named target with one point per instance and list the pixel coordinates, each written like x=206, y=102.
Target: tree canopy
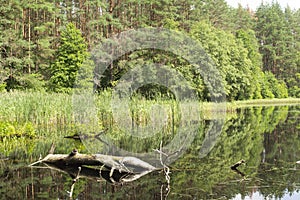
x=69, y=57
x=44, y=43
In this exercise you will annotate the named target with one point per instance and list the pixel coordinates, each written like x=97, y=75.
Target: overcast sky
x=253, y=4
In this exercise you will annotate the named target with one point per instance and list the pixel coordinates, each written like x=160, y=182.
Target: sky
x=253, y=4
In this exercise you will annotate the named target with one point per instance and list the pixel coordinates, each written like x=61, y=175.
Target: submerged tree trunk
x=114, y=169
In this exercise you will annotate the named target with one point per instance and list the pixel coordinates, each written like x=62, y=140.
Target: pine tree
x=12, y=45
x=278, y=34
x=69, y=57
x=242, y=18
x=291, y=64
x=270, y=31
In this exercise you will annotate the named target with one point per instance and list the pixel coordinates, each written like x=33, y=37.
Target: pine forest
x=44, y=43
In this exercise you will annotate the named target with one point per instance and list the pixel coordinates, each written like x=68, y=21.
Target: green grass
x=265, y=102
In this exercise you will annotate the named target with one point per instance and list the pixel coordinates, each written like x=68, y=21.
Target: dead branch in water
x=166, y=171
x=114, y=169
x=235, y=168
x=73, y=183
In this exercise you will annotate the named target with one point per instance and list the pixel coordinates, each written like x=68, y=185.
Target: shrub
x=8, y=129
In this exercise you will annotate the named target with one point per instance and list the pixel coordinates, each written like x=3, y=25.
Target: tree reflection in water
x=267, y=138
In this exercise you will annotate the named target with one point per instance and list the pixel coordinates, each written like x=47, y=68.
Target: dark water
x=266, y=138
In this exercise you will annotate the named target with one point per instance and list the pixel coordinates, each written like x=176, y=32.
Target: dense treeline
x=44, y=43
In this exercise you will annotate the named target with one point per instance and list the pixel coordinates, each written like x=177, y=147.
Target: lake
x=266, y=138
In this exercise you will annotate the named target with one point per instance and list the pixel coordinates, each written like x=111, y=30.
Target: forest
x=47, y=49
x=43, y=44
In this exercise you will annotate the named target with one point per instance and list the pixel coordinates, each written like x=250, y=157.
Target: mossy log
x=111, y=168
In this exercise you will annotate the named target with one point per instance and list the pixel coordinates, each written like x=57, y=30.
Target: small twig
x=170, y=155
x=160, y=152
x=39, y=167
x=102, y=166
x=167, y=171
x=167, y=155
x=161, y=191
x=123, y=165
x=39, y=161
x=52, y=148
x=101, y=132
x=165, y=168
x=73, y=183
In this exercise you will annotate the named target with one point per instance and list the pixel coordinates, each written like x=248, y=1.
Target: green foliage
x=84, y=79
x=277, y=88
x=69, y=58
x=242, y=19
x=248, y=40
x=236, y=64
x=8, y=129
x=245, y=135
x=11, y=83
x=294, y=89
x=40, y=44
x=239, y=62
x=266, y=88
x=2, y=87
x=32, y=82
x=217, y=12
x=39, y=113
x=277, y=33
x=148, y=68
x=47, y=112
x=27, y=130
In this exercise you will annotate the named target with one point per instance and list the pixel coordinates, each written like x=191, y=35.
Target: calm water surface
x=266, y=138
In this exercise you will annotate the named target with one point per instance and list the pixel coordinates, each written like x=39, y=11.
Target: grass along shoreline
x=265, y=102
x=46, y=112
x=52, y=108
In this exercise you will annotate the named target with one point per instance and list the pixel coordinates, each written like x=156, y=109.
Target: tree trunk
x=111, y=168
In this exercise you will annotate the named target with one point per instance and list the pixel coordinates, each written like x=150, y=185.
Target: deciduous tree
x=69, y=57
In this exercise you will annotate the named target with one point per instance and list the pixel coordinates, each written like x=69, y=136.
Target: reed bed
x=45, y=111
x=36, y=107
x=264, y=102
x=52, y=112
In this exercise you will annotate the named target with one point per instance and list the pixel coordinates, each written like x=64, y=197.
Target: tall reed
x=44, y=110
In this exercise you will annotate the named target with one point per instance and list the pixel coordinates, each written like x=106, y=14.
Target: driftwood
x=82, y=136
x=114, y=169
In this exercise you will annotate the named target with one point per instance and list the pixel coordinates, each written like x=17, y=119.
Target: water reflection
x=267, y=138
x=257, y=196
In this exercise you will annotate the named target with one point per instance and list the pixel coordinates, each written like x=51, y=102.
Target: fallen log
x=114, y=169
